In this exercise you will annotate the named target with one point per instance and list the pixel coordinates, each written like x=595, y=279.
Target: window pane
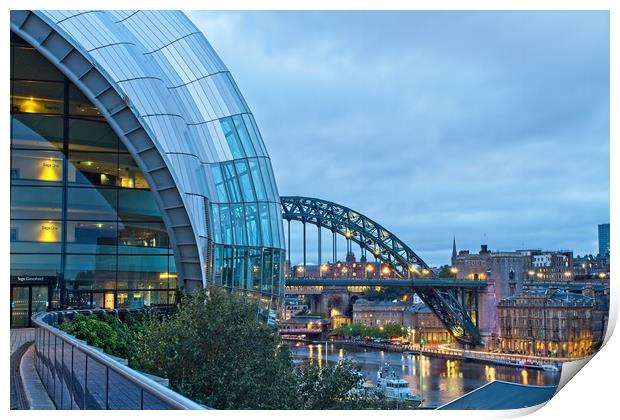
x=265, y=224
x=90, y=272
x=37, y=97
x=237, y=213
x=257, y=179
x=91, y=203
x=36, y=202
x=93, y=169
x=36, y=236
x=143, y=272
x=244, y=179
x=42, y=265
x=251, y=217
x=142, y=238
x=130, y=175
x=244, y=136
x=232, y=184
x=234, y=143
x=138, y=205
x=93, y=135
x=31, y=65
x=91, y=237
x=34, y=166
x=80, y=105
x=36, y=131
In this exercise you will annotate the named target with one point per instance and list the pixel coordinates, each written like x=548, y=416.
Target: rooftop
x=500, y=395
x=550, y=296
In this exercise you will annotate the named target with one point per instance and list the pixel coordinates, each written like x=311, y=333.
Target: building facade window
x=83, y=219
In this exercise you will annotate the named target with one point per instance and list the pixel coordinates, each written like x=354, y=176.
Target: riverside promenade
x=447, y=351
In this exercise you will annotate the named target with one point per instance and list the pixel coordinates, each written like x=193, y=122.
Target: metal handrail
x=166, y=395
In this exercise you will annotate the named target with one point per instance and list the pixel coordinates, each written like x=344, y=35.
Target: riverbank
x=501, y=359
x=438, y=380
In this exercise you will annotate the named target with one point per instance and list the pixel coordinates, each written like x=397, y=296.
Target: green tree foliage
x=386, y=293
x=445, y=272
x=335, y=387
x=108, y=333
x=215, y=351
x=393, y=329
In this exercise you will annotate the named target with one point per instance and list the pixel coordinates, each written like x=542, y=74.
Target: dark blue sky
x=493, y=126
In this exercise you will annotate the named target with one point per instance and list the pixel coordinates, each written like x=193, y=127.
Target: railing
x=77, y=376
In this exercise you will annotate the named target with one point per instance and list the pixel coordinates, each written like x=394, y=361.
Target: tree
x=445, y=272
x=215, y=351
x=393, y=329
x=335, y=387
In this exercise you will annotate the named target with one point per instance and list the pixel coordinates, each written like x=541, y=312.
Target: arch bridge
x=454, y=302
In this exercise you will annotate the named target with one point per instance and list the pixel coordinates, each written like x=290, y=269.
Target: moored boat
x=393, y=386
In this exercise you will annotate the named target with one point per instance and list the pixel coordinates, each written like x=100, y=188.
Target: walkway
x=20, y=336
x=27, y=391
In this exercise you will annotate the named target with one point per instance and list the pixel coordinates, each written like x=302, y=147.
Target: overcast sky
x=492, y=126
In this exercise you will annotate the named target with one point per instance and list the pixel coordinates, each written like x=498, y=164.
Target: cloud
x=493, y=126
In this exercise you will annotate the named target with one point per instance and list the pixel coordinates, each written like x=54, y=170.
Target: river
x=443, y=380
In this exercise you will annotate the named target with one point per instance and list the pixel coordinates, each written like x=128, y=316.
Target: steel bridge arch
x=448, y=303
x=354, y=226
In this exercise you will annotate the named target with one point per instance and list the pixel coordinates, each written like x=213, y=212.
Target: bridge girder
x=387, y=248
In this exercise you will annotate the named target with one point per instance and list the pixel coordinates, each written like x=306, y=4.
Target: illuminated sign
x=32, y=279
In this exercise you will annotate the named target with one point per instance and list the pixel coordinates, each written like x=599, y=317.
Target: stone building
x=546, y=322
x=549, y=265
x=424, y=326
x=419, y=319
x=376, y=314
x=505, y=273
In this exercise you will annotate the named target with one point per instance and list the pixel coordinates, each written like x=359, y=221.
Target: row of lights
x=540, y=274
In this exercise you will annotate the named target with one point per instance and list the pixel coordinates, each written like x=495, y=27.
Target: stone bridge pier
x=336, y=298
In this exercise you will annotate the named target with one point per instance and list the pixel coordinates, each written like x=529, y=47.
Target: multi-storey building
x=293, y=306
x=549, y=266
x=546, y=322
x=590, y=267
x=504, y=273
x=376, y=314
x=421, y=323
x=603, y=239
x=424, y=326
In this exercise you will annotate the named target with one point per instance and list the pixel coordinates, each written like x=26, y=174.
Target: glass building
x=603, y=239
x=137, y=169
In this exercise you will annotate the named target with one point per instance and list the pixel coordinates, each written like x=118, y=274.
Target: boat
x=393, y=386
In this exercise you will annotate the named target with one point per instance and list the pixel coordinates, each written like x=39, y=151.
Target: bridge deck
x=384, y=282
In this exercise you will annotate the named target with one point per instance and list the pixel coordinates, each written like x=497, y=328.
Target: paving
x=20, y=336
x=33, y=388
x=27, y=391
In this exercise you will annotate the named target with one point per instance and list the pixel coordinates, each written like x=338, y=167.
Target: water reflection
x=442, y=380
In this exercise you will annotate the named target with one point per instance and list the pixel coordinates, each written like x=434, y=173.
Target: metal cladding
x=177, y=109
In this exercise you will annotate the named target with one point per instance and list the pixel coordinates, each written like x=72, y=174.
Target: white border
x=591, y=395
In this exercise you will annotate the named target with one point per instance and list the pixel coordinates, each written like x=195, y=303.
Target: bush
x=109, y=333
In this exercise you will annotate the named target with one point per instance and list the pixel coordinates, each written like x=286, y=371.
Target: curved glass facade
x=82, y=216
x=212, y=212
